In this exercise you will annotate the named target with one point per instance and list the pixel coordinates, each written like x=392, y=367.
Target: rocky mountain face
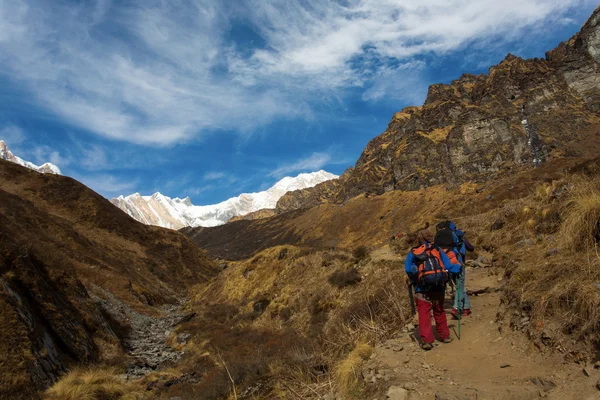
x=76, y=274
x=177, y=213
x=520, y=114
x=260, y=214
x=47, y=168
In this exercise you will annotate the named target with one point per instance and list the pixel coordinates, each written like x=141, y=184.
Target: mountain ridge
x=176, y=213
x=46, y=168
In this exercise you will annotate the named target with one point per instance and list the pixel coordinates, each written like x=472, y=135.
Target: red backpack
x=431, y=269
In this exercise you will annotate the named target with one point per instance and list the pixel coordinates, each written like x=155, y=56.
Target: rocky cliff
x=478, y=127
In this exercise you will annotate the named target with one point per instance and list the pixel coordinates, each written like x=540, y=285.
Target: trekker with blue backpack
x=459, y=247
x=429, y=269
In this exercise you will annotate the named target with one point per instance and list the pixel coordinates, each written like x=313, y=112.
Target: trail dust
x=490, y=361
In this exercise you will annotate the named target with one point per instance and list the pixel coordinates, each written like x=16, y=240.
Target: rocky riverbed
x=146, y=339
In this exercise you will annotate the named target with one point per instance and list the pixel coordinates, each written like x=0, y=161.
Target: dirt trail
x=491, y=361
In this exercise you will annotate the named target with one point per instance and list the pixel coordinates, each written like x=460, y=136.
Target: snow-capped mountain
x=177, y=213
x=47, y=168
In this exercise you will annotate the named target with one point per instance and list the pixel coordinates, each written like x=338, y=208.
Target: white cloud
x=93, y=158
x=165, y=72
x=212, y=176
x=197, y=191
x=12, y=135
x=222, y=177
x=107, y=185
x=313, y=163
x=398, y=83
x=43, y=154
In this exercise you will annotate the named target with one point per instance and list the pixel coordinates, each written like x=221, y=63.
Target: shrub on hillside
x=580, y=229
x=93, y=384
x=347, y=370
x=345, y=278
x=360, y=253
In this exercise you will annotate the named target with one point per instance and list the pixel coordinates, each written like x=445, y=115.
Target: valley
x=302, y=294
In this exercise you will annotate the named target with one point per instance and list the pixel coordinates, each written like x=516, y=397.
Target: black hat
x=444, y=239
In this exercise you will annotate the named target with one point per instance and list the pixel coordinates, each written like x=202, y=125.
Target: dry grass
x=548, y=245
x=93, y=384
x=580, y=229
x=347, y=372
x=330, y=319
x=437, y=135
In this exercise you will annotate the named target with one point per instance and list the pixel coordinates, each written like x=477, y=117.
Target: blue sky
x=212, y=98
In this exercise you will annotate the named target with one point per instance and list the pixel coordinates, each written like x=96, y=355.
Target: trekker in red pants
x=428, y=267
x=426, y=302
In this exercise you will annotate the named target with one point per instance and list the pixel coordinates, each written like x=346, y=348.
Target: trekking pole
x=412, y=299
x=458, y=291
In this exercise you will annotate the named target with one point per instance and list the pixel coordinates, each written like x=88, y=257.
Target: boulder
x=397, y=393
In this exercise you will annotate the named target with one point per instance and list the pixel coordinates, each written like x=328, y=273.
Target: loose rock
x=545, y=385
x=397, y=393
x=146, y=341
x=183, y=338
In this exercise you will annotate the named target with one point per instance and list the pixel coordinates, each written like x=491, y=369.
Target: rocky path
x=146, y=341
x=490, y=361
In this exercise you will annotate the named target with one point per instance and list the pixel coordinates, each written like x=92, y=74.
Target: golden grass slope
x=94, y=384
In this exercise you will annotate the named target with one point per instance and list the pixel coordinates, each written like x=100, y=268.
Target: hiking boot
x=448, y=339
x=426, y=346
x=454, y=313
x=466, y=312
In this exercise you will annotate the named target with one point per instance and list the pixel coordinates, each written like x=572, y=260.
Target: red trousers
x=426, y=302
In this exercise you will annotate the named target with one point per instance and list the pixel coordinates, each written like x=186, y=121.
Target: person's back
x=453, y=241
x=428, y=267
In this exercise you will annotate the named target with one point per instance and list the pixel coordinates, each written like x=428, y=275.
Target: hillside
x=311, y=303
x=341, y=316
x=480, y=127
x=370, y=220
x=68, y=260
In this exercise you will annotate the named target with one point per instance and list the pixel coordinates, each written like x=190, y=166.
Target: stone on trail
x=397, y=393
x=586, y=372
x=448, y=396
x=504, y=365
x=543, y=384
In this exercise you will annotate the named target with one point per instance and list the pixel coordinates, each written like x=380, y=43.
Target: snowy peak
x=177, y=213
x=47, y=168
